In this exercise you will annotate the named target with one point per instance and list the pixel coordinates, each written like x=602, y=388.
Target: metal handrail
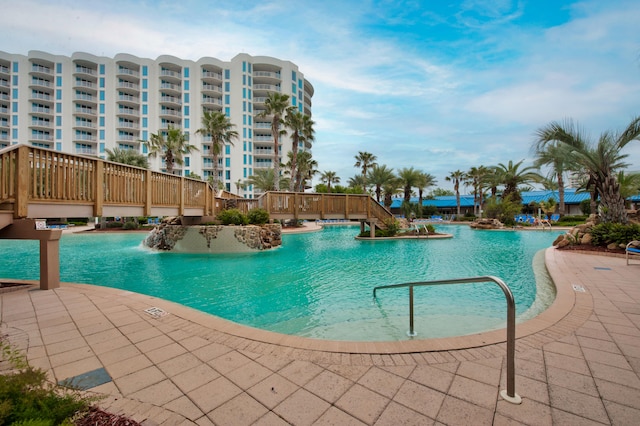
x=510, y=394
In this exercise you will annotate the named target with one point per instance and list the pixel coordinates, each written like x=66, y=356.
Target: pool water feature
x=318, y=284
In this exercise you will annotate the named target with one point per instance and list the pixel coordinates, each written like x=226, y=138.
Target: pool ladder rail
x=509, y=394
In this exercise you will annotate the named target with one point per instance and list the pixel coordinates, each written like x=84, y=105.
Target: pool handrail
x=510, y=394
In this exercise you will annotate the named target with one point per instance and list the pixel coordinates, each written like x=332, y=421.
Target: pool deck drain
x=577, y=363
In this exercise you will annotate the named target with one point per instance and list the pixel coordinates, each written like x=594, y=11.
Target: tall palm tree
x=475, y=178
x=512, y=177
x=379, y=176
x=217, y=125
x=170, y=145
x=276, y=106
x=301, y=127
x=307, y=167
x=329, y=177
x=425, y=181
x=410, y=178
x=389, y=189
x=127, y=156
x=456, y=177
x=600, y=160
x=558, y=156
x=629, y=184
x=365, y=160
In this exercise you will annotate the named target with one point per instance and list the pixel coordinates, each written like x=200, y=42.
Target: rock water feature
x=171, y=235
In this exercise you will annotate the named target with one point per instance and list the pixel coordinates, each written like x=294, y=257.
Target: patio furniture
x=632, y=249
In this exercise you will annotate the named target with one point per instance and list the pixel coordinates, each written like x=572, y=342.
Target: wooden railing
x=40, y=183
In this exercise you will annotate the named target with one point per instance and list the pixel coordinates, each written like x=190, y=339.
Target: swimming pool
x=318, y=284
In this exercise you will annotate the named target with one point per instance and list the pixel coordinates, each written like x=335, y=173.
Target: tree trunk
x=561, y=208
x=612, y=208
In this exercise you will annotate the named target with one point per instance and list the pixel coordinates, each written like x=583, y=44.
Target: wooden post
x=181, y=208
x=49, y=264
x=296, y=206
x=148, y=198
x=23, y=171
x=98, y=189
x=346, y=206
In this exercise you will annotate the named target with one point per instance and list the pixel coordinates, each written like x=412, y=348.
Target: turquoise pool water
x=318, y=284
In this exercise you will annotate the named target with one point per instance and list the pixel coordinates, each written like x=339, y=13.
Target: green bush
x=607, y=233
x=232, y=217
x=26, y=398
x=258, y=216
x=115, y=224
x=393, y=226
x=431, y=229
x=585, y=207
x=130, y=225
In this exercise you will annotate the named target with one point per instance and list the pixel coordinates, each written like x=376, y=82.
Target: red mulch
x=98, y=417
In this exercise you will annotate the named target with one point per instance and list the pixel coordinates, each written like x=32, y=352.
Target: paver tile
x=249, y=374
x=420, y=398
x=530, y=412
x=213, y=394
x=195, y=377
x=381, y=381
x=238, y=411
x=432, y=377
x=473, y=391
x=300, y=372
x=328, y=386
x=362, y=403
x=158, y=394
x=396, y=414
x=229, y=362
x=571, y=380
x=179, y=364
x=139, y=379
x=455, y=411
x=272, y=390
x=336, y=417
x=577, y=403
x=301, y=408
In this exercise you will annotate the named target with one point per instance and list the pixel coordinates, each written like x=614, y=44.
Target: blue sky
x=437, y=85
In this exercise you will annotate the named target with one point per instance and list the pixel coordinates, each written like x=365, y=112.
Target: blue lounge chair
x=632, y=249
x=555, y=217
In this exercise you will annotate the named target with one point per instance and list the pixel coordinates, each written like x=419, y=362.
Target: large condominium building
x=85, y=104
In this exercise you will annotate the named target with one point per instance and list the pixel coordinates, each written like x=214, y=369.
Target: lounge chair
x=632, y=249
x=555, y=217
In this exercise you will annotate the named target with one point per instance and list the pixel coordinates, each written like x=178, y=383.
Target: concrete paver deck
x=578, y=363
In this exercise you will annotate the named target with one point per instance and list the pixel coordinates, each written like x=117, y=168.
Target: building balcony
x=4, y=124
x=85, y=137
x=209, y=100
x=170, y=100
x=85, y=111
x=170, y=112
x=4, y=136
x=127, y=125
x=85, y=97
x=41, y=96
x=266, y=88
x=83, y=124
x=127, y=71
x=4, y=109
x=85, y=150
x=81, y=70
x=41, y=137
x=262, y=125
x=127, y=138
x=127, y=85
x=174, y=75
x=40, y=70
x=4, y=69
x=4, y=96
x=266, y=77
x=39, y=82
x=263, y=152
x=4, y=83
x=41, y=110
x=211, y=88
x=40, y=124
x=261, y=138
x=128, y=112
x=85, y=84
x=211, y=76
x=128, y=99
x=170, y=88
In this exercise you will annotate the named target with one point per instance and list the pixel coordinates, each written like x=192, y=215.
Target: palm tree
x=217, y=126
x=456, y=177
x=410, y=178
x=600, y=160
x=329, y=177
x=558, y=156
x=127, y=156
x=264, y=180
x=475, y=178
x=170, y=145
x=276, y=106
x=425, y=180
x=357, y=183
x=307, y=168
x=380, y=176
x=301, y=127
x=365, y=160
x=512, y=177
x=389, y=189
x=629, y=184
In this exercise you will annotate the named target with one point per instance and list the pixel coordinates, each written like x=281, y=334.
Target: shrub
x=431, y=229
x=115, y=224
x=393, y=226
x=27, y=398
x=258, y=216
x=607, y=233
x=232, y=217
x=130, y=225
x=585, y=207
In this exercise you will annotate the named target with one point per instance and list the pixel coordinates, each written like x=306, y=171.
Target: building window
x=186, y=110
x=186, y=85
x=14, y=94
x=145, y=70
x=15, y=66
x=186, y=98
x=244, y=79
x=187, y=161
x=144, y=96
x=227, y=99
x=186, y=123
x=186, y=72
x=227, y=86
x=244, y=66
x=227, y=163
